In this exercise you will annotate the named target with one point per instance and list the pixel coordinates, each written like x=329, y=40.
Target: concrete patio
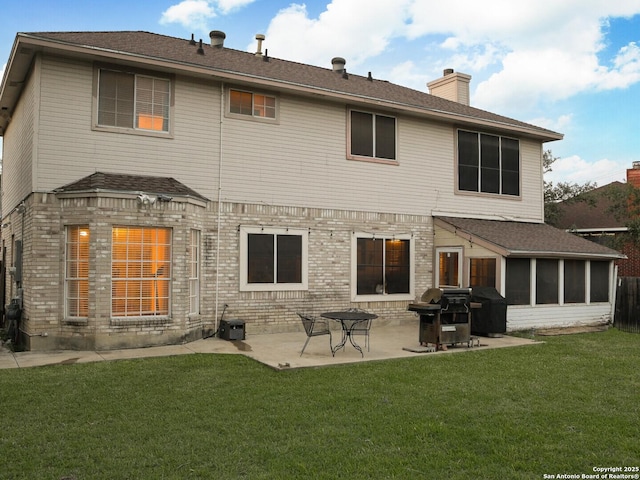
x=279, y=351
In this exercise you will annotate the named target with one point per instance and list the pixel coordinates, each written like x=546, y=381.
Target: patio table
x=348, y=320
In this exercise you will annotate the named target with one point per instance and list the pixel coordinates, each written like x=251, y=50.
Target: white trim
x=245, y=286
x=385, y=297
x=457, y=250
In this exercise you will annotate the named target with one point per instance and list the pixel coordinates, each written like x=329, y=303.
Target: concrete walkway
x=279, y=351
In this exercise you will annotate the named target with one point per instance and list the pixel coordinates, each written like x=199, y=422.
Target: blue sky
x=572, y=66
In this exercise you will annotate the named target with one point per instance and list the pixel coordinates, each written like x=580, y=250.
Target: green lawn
x=562, y=407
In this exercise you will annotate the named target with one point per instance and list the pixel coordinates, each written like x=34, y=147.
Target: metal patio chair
x=314, y=327
x=362, y=328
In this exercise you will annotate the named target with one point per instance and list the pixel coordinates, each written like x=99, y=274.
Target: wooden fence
x=627, y=313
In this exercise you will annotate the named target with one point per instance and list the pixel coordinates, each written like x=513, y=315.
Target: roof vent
x=447, y=71
x=217, y=38
x=260, y=38
x=338, y=64
x=200, y=49
x=192, y=41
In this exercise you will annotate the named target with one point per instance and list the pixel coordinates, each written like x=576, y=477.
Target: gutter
x=537, y=132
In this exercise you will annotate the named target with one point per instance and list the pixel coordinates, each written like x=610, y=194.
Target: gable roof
x=176, y=54
x=133, y=184
x=591, y=211
x=520, y=239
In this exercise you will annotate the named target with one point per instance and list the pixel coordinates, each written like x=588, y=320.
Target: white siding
x=70, y=149
x=18, y=147
x=553, y=316
x=300, y=161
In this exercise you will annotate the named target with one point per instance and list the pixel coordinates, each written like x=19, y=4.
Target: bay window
x=77, y=272
x=140, y=272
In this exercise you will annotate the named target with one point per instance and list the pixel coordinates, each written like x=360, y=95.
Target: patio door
x=449, y=271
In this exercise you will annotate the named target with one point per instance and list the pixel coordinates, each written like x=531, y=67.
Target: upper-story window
x=252, y=104
x=133, y=101
x=488, y=163
x=372, y=136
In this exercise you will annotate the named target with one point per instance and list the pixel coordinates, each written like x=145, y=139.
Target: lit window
x=140, y=271
x=252, y=104
x=273, y=259
x=382, y=266
x=372, y=135
x=133, y=101
x=77, y=272
x=194, y=272
x=482, y=272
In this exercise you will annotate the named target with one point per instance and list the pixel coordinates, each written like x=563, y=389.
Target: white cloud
x=560, y=124
x=525, y=51
x=190, y=14
x=227, y=6
x=196, y=14
x=353, y=29
x=575, y=169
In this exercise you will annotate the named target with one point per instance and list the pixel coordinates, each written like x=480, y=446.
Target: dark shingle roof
x=591, y=210
x=180, y=54
x=116, y=182
x=528, y=239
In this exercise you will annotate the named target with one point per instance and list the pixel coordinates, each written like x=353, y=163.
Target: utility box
x=231, y=329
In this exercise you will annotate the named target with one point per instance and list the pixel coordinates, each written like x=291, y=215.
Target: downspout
x=220, y=132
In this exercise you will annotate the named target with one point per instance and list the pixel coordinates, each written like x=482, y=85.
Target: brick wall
x=330, y=232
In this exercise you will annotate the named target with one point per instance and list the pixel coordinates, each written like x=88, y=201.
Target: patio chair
x=314, y=327
x=362, y=328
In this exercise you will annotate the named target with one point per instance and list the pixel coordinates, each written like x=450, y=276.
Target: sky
x=572, y=66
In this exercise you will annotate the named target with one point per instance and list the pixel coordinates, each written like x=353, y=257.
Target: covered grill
x=445, y=316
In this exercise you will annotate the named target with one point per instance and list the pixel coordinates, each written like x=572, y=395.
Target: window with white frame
x=488, y=163
x=252, y=104
x=273, y=259
x=133, y=101
x=194, y=272
x=372, y=135
x=382, y=265
x=77, y=271
x=140, y=272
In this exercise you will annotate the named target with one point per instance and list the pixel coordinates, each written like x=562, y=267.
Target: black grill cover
x=492, y=317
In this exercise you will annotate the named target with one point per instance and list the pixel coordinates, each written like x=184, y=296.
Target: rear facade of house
x=152, y=183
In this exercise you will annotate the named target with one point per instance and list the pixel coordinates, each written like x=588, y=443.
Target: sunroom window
x=140, y=272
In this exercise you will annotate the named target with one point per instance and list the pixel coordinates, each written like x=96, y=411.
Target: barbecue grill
x=445, y=316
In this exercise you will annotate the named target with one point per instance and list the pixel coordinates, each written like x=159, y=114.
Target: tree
x=561, y=192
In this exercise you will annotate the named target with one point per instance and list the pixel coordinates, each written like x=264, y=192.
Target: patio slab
x=277, y=350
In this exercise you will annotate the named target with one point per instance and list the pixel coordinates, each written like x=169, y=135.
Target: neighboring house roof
x=133, y=184
x=524, y=239
x=176, y=54
x=590, y=211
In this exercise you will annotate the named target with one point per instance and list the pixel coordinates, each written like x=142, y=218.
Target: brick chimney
x=633, y=175
x=452, y=86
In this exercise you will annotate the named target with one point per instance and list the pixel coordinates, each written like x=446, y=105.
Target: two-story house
x=150, y=181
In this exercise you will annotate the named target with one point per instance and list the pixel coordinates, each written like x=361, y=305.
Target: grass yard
x=563, y=407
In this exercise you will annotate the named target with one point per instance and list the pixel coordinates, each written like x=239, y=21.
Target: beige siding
x=70, y=149
x=298, y=161
x=19, y=144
